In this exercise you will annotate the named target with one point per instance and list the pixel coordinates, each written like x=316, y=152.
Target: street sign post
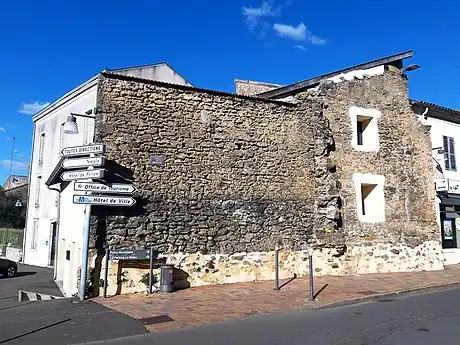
x=116, y=188
x=104, y=200
x=82, y=175
x=83, y=150
x=83, y=162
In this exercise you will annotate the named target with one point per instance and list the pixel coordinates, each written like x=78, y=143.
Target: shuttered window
x=449, y=153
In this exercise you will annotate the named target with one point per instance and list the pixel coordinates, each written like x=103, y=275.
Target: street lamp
x=71, y=126
x=411, y=67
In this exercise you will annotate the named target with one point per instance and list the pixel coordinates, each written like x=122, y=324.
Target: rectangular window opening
x=366, y=197
x=38, y=191
x=362, y=122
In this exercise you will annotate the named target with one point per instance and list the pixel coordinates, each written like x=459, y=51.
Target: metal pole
x=310, y=268
x=11, y=163
x=106, y=273
x=277, y=278
x=84, y=263
x=150, y=270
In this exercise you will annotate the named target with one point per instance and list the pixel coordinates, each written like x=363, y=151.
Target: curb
x=388, y=295
x=34, y=296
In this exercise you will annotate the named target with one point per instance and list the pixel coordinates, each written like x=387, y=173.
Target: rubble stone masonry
x=223, y=178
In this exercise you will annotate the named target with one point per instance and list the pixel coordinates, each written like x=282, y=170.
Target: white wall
x=49, y=122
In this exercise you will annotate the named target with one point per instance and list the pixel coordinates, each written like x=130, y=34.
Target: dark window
x=449, y=153
x=359, y=130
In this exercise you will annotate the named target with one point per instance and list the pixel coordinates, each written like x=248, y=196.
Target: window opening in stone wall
x=366, y=200
x=364, y=128
x=37, y=191
x=449, y=153
x=362, y=122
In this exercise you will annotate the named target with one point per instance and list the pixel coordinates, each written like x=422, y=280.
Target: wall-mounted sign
x=454, y=186
x=83, y=162
x=157, y=160
x=83, y=150
x=104, y=200
x=116, y=188
x=129, y=254
x=448, y=229
x=441, y=185
x=82, y=175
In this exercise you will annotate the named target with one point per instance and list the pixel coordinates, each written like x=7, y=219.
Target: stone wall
x=248, y=87
x=222, y=178
x=215, y=172
x=404, y=159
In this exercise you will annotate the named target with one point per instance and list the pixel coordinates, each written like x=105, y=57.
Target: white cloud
x=298, y=33
x=301, y=47
x=2, y=129
x=32, y=108
x=16, y=165
x=254, y=14
x=294, y=32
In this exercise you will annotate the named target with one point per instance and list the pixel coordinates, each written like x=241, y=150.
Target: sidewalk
x=207, y=304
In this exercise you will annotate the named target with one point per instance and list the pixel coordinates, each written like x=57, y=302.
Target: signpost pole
x=106, y=273
x=150, y=270
x=84, y=266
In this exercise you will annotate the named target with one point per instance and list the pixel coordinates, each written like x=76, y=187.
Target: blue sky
x=48, y=47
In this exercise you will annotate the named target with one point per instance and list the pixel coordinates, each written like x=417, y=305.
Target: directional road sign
x=82, y=174
x=115, y=188
x=105, y=200
x=83, y=162
x=83, y=150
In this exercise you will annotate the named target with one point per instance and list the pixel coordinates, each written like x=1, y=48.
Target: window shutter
x=446, y=151
x=453, y=165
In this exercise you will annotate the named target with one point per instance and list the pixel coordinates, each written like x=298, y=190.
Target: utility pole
x=11, y=163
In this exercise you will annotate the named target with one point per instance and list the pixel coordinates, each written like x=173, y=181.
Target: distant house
x=14, y=181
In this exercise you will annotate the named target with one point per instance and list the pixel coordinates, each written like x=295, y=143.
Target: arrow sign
x=83, y=162
x=82, y=174
x=105, y=200
x=83, y=150
x=104, y=188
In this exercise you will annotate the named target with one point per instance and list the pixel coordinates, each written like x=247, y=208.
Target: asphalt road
x=55, y=322
x=428, y=319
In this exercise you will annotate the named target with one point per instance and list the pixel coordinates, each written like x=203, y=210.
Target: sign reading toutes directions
x=83, y=150
x=115, y=188
x=82, y=175
x=83, y=162
x=104, y=200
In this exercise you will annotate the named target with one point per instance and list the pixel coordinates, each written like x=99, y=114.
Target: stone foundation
x=244, y=267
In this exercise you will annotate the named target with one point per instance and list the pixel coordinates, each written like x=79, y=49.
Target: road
x=427, y=319
x=55, y=322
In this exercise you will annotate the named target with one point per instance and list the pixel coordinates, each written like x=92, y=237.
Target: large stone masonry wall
x=238, y=173
x=404, y=159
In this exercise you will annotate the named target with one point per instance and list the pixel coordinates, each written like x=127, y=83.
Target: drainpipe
x=58, y=219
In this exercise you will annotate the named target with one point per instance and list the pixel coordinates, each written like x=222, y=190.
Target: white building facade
x=444, y=127
x=54, y=225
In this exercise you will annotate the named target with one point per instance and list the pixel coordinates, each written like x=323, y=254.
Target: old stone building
x=337, y=164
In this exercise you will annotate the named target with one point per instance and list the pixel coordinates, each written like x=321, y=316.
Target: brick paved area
x=203, y=305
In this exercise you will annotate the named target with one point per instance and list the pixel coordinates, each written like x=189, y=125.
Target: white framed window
x=370, y=198
x=449, y=153
x=365, y=131
x=41, y=148
x=33, y=239
x=38, y=191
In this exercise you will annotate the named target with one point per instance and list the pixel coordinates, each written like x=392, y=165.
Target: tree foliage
x=11, y=216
